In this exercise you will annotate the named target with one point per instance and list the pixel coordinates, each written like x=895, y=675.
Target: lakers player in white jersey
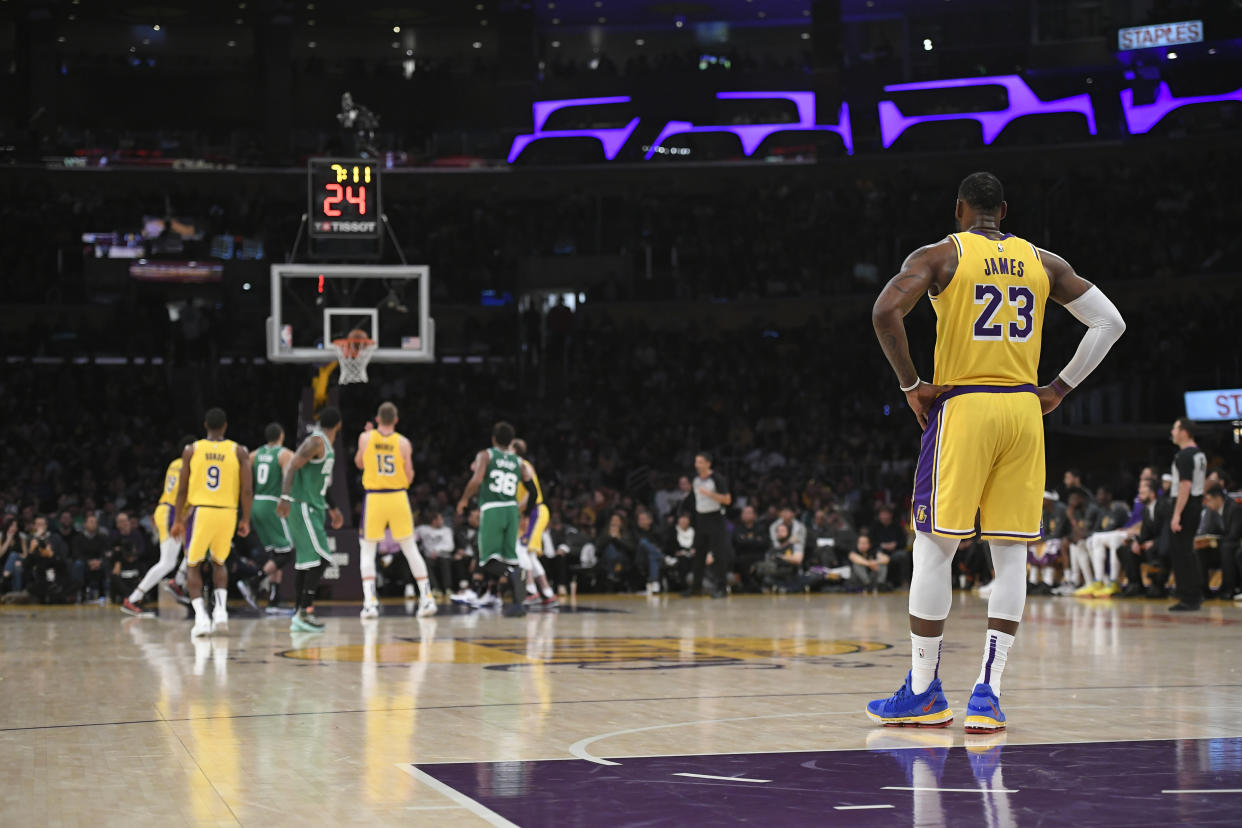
x=983, y=440
x=387, y=463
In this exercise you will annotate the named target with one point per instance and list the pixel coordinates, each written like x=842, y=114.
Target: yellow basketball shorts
x=532, y=528
x=209, y=529
x=387, y=509
x=163, y=519
x=982, y=451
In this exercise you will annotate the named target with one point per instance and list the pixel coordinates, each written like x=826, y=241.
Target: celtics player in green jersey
x=303, y=494
x=497, y=471
x=268, y=463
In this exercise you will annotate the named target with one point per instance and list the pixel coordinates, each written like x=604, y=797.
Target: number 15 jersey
x=990, y=319
x=383, y=467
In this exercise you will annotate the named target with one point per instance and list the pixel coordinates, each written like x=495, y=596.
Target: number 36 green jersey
x=500, y=480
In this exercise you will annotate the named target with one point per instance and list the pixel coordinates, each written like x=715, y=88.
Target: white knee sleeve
x=931, y=590
x=536, y=566
x=168, y=560
x=523, y=557
x=417, y=565
x=366, y=559
x=1009, y=587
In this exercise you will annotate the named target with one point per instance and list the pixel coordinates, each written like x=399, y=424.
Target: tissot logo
x=347, y=226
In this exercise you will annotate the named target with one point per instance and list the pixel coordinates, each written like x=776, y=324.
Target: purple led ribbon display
x=752, y=135
x=1022, y=101
x=612, y=139
x=1140, y=118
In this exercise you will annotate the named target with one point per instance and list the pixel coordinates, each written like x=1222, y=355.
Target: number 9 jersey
x=215, y=475
x=990, y=319
x=214, y=492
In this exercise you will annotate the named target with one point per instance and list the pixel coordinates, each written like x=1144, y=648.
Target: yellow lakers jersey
x=383, y=467
x=990, y=319
x=215, y=474
x=522, y=488
x=171, y=477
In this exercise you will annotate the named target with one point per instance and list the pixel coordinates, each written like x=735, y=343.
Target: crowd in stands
x=821, y=477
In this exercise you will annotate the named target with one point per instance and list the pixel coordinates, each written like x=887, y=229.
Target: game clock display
x=344, y=198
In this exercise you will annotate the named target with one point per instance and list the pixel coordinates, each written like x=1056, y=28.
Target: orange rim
x=358, y=341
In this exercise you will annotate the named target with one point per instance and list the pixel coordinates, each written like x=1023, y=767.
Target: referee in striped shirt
x=710, y=495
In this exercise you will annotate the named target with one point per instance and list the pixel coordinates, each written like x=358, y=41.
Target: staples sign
x=1214, y=405
x=1163, y=34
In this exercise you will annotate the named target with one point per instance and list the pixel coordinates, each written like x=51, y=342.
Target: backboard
x=313, y=304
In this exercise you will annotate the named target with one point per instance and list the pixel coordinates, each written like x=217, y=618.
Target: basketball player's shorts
x=209, y=530
x=533, y=527
x=1044, y=553
x=498, y=532
x=270, y=528
x=163, y=519
x=387, y=509
x=310, y=538
x=982, y=452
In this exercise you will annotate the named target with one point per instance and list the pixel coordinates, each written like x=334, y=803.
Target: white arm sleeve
x=1104, y=327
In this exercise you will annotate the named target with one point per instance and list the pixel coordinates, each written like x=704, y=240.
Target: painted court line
x=860, y=807
x=477, y=808
x=579, y=748
x=1205, y=791
x=723, y=778
x=950, y=790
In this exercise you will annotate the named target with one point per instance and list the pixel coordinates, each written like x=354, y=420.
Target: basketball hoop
x=354, y=353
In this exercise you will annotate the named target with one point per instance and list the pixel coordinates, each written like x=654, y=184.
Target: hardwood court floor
x=477, y=719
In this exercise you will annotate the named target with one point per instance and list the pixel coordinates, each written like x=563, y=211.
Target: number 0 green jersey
x=500, y=480
x=267, y=472
x=311, y=482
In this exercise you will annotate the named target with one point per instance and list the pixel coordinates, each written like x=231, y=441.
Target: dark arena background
x=650, y=236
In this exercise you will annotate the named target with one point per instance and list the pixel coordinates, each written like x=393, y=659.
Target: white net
x=353, y=355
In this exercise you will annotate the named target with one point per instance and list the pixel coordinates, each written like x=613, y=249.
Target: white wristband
x=286, y=497
x=917, y=382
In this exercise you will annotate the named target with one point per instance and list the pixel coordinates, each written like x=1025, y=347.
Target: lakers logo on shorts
x=921, y=514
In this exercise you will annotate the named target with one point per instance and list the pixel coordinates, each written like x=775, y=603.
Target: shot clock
x=344, y=198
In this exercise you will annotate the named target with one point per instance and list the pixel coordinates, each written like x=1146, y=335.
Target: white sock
x=1098, y=555
x=530, y=587
x=418, y=567
x=135, y=596
x=1080, y=561
x=995, y=654
x=366, y=566
x=1032, y=574
x=222, y=600
x=924, y=661
x=548, y=593
x=200, y=607
x=1050, y=573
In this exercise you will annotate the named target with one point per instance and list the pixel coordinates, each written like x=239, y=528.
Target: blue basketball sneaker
x=905, y=708
x=983, y=713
